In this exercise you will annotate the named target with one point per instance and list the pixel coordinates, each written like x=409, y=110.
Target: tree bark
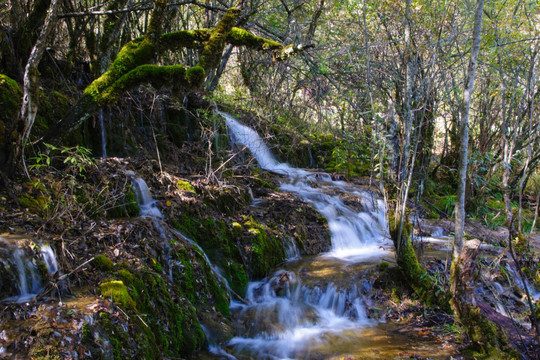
x=486, y=336
x=31, y=80
x=464, y=148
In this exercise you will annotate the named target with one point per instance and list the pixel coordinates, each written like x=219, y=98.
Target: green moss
x=241, y=37
x=86, y=334
x=413, y=272
x=195, y=76
x=137, y=52
x=116, y=336
x=173, y=324
x=383, y=265
x=10, y=103
x=213, y=49
x=185, y=185
x=125, y=206
x=488, y=341
x=103, y=263
x=118, y=292
x=266, y=251
x=171, y=76
x=190, y=39
x=35, y=203
x=130, y=202
x=53, y=105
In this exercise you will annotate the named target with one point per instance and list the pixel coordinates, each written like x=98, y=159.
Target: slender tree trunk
x=405, y=152
x=536, y=211
x=464, y=147
x=532, y=133
x=31, y=79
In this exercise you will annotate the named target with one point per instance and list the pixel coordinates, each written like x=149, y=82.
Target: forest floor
x=79, y=226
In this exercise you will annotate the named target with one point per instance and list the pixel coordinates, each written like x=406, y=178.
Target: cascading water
x=21, y=280
x=103, y=134
x=298, y=312
x=144, y=198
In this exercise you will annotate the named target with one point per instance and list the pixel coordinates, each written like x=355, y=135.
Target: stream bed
x=317, y=307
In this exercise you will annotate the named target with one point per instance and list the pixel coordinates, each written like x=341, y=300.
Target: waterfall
x=354, y=234
x=18, y=264
x=290, y=317
x=146, y=203
x=48, y=256
x=101, y=117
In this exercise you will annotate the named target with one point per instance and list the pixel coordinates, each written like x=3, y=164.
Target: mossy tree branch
x=131, y=66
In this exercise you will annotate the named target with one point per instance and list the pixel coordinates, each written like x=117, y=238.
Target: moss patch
x=103, y=263
x=117, y=291
x=413, y=272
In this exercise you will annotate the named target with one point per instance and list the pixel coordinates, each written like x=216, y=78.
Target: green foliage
x=350, y=157
x=77, y=159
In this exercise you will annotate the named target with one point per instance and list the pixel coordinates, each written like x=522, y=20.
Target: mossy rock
x=118, y=292
x=266, y=250
x=35, y=203
x=126, y=206
x=103, y=263
x=184, y=185
x=53, y=105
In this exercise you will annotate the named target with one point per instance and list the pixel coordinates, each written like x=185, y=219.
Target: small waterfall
x=292, y=317
x=287, y=318
x=26, y=271
x=354, y=234
x=48, y=256
x=19, y=266
x=146, y=203
x=291, y=250
x=101, y=117
x=522, y=284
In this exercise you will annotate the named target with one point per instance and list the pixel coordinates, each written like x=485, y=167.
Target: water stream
x=101, y=118
x=21, y=280
x=315, y=307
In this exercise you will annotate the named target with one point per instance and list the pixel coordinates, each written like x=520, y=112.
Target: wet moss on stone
x=266, y=251
x=117, y=291
x=103, y=263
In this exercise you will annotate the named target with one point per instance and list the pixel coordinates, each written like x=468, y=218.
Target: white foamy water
x=101, y=118
x=353, y=233
x=20, y=262
x=144, y=198
x=286, y=319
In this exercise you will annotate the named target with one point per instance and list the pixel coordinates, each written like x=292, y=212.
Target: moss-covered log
x=174, y=77
x=413, y=272
x=241, y=37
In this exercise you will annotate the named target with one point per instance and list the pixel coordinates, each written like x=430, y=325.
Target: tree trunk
x=531, y=85
x=490, y=339
x=31, y=81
